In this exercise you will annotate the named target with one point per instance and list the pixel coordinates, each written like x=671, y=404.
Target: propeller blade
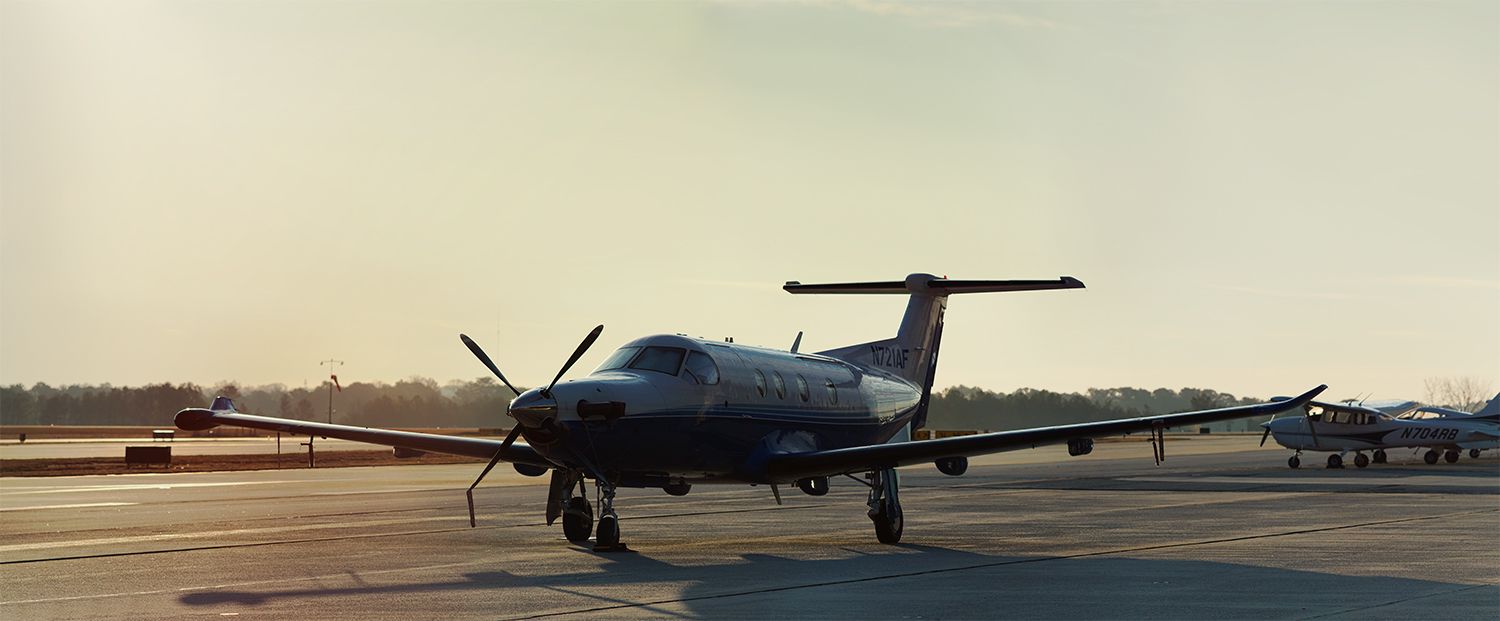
x=509, y=439
x=479, y=353
x=1265, y=435
x=588, y=341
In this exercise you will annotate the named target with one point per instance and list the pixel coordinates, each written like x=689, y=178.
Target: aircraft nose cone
x=533, y=410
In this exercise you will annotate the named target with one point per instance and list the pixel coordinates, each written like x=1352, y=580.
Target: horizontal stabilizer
x=920, y=283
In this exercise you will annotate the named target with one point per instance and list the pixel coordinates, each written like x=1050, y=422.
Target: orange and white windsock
x=335, y=379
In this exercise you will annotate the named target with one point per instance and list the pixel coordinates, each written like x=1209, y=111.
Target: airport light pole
x=330, y=362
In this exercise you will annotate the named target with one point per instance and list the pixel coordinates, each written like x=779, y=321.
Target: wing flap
x=791, y=466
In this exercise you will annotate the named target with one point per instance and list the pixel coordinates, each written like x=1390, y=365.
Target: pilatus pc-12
x=670, y=411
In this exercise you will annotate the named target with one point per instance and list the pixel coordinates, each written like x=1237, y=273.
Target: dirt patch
x=217, y=463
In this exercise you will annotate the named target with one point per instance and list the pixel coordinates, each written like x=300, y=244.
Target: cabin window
x=760, y=382
x=779, y=383
x=833, y=391
x=619, y=359
x=660, y=359
x=802, y=388
x=700, y=367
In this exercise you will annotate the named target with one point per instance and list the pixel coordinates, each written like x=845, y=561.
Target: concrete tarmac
x=1221, y=530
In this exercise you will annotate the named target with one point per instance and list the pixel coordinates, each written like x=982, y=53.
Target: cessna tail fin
x=913, y=353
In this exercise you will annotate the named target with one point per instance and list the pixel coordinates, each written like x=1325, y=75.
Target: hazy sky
x=1260, y=196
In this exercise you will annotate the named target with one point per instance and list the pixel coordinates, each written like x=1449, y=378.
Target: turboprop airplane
x=1341, y=428
x=1490, y=413
x=671, y=411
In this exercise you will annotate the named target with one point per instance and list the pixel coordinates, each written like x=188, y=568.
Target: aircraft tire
x=1473, y=453
x=1294, y=462
x=1335, y=461
x=888, y=529
x=1450, y=456
x=1380, y=456
x=1361, y=460
x=578, y=519
x=609, y=531
x=1430, y=457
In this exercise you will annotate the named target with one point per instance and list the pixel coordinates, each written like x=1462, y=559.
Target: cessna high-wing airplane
x=1489, y=413
x=1342, y=428
x=671, y=411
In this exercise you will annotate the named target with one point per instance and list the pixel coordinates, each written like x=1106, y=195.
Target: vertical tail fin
x=1490, y=409
x=912, y=353
x=222, y=404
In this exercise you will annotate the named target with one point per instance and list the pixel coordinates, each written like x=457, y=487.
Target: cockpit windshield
x=619, y=359
x=660, y=359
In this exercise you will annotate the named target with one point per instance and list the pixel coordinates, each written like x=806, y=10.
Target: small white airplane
x=1340, y=428
x=669, y=411
x=1490, y=412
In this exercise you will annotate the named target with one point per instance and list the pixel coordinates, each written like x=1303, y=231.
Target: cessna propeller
x=540, y=413
x=1306, y=415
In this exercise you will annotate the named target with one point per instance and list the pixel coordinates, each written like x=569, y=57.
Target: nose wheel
x=885, y=505
x=1294, y=462
x=1473, y=453
x=1379, y=456
x=607, y=539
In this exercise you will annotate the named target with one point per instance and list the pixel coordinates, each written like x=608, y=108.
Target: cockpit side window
x=619, y=359
x=660, y=359
x=701, y=368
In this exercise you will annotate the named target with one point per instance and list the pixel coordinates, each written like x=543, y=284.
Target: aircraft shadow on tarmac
x=935, y=582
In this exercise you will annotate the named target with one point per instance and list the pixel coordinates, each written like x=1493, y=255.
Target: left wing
x=790, y=466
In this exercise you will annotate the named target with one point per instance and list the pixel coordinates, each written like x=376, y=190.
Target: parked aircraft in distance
x=1490, y=413
x=1341, y=428
x=671, y=411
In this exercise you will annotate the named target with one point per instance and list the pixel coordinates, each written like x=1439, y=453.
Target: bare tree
x=1466, y=394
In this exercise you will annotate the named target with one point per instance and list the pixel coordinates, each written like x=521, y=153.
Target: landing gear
x=1450, y=457
x=885, y=505
x=1335, y=461
x=1361, y=460
x=1294, y=462
x=578, y=519
x=608, y=537
x=1473, y=453
x=1379, y=456
x=1431, y=457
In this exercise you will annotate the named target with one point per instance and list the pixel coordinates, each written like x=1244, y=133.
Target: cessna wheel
x=1334, y=461
x=1294, y=462
x=1361, y=460
x=1474, y=453
x=1430, y=457
x=578, y=519
x=1380, y=456
x=609, y=531
x=1450, y=456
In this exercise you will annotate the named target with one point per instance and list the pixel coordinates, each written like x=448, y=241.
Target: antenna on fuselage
x=797, y=342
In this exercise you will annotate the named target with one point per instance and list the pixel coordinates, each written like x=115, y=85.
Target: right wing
x=195, y=419
x=791, y=466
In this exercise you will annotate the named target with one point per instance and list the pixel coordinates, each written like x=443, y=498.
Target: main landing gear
x=885, y=505
x=1295, y=461
x=1451, y=457
x=1361, y=460
x=1379, y=456
x=1335, y=461
x=1431, y=456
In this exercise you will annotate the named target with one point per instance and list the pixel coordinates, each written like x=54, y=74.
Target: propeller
x=588, y=341
x=515, y=431
x=479, y=353
x=1267, y=434
x=510, y=438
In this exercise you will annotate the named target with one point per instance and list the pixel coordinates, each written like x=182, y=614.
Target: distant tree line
x=965, y=407
x=422, y=402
